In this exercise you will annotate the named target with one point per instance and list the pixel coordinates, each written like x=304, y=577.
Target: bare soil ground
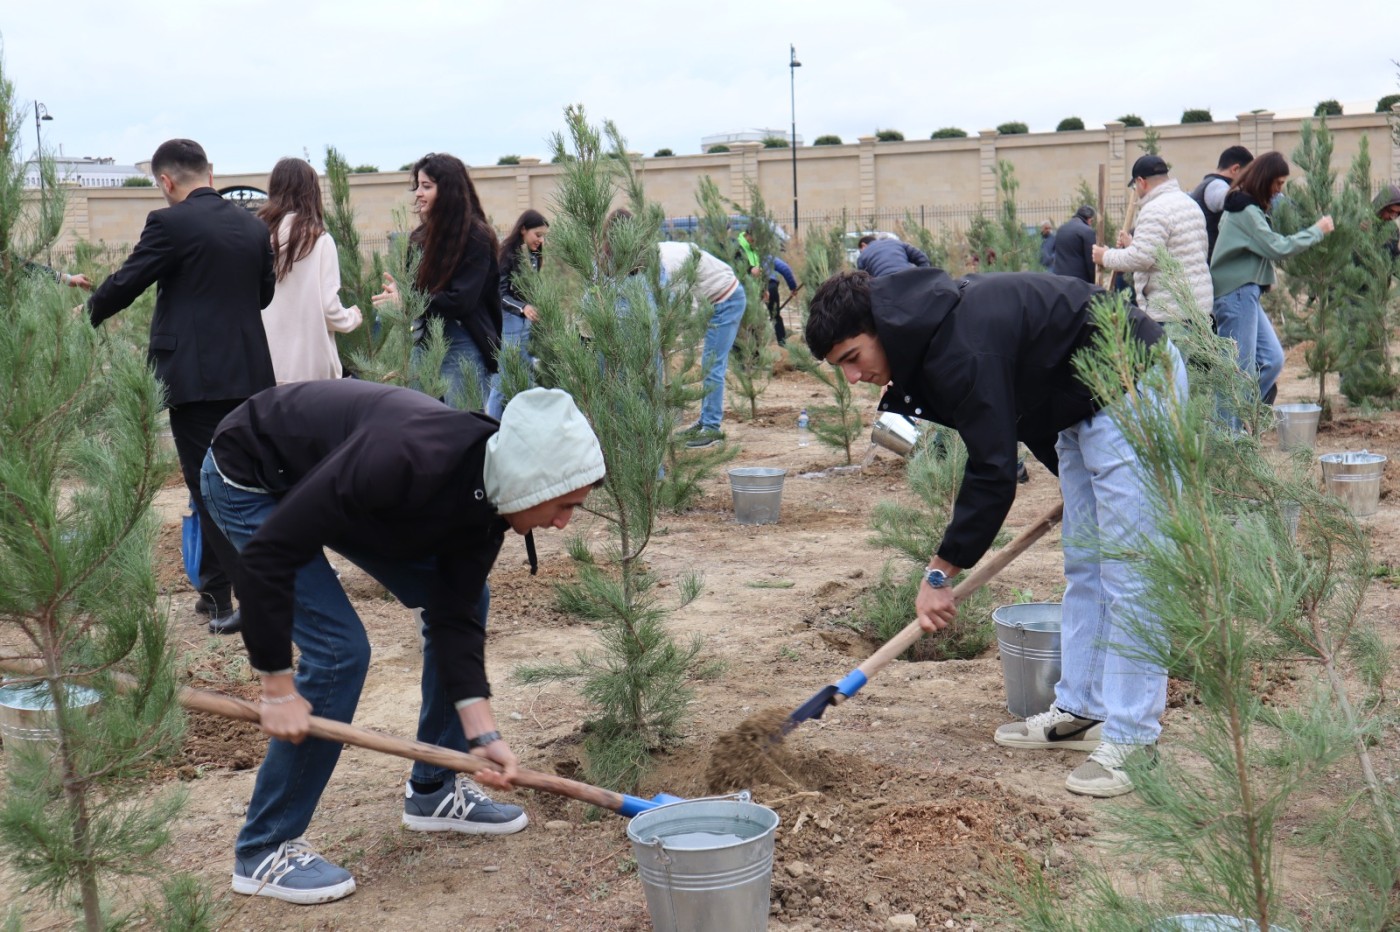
x=896, y=802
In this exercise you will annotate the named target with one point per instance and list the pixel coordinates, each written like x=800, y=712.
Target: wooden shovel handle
x=975, y=580
x=216, y=703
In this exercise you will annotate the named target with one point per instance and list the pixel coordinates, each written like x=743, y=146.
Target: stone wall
x=951, y=178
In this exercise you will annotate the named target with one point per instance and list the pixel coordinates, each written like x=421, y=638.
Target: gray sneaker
x=1053, y=729
x=460, y=806
x=1105, y=775
x=291, y=871
x=705, y=437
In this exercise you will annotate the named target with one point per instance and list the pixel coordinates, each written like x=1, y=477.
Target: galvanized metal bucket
x=1355, y=478
x=1204, y=922
x=758, y=493
x=1029, y=637
x=1297, y=426
x=27, y=717
x=895, y=433
x=706, y=864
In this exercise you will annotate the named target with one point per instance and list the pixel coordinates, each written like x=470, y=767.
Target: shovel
x=851, y=683
x=215, y=703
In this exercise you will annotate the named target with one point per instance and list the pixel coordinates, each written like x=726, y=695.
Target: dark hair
x=455, y=224
x=529, y=220
x=1086, y=213
x=619, y=215
x=1257, y=179
x=1235, y=155
x=182, y=159
x=865, y=240
x=293, y=188
x=839, y=311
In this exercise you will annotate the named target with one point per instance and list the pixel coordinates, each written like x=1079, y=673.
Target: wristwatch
x=936, y=579
x=483, y=739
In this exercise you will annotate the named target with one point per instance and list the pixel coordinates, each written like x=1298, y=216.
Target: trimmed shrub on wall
x=1132, y=119
x=774, y=142
x=1014, y=128
x=508, y=160
x=1328, y=108
x=406, y=167
x=365, y=169
x=1069, y=125
x=888, y=135
x=1385, y=103
x=719, y=148
x=137, y=181
x=1196, y=116
x=662, y=153
x=949, y=132
x=827, y=140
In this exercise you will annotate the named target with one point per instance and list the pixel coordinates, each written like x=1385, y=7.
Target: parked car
x=852, y=242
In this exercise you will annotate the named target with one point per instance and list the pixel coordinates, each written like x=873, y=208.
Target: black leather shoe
x=227, y=623
x=1022, y=476
x=205, y=604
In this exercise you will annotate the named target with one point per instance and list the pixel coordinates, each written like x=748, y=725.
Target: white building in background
x=748, y=135
x=86, y=172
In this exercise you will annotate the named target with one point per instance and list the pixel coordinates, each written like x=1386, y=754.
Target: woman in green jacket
x=1242, y=267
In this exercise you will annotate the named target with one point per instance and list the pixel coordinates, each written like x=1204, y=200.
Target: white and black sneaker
x=1105, y=774
x=291, y=871
x=460, y=806
x=1053, y=729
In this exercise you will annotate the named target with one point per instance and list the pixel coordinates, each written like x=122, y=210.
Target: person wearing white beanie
x=419, y=496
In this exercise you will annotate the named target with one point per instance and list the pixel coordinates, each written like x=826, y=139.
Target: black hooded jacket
x=989, y=356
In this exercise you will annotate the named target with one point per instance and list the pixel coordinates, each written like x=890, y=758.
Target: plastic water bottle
x=804, y=431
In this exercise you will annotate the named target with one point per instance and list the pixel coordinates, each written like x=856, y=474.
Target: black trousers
x=193, y=425
x=778, y=329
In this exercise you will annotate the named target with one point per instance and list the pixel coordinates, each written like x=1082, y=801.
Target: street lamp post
x=793, y=65
x=41, y=113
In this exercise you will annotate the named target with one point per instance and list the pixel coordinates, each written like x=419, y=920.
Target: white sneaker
x=1053, y=729
x=1104, y=775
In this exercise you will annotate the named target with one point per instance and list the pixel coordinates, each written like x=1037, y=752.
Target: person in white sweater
x=306, y=308
x=1167, y=219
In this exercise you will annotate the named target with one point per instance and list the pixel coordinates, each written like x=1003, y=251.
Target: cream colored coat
x=305, y=311
x=1169, y=219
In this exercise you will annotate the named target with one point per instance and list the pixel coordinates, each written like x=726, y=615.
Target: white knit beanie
x=545, y=448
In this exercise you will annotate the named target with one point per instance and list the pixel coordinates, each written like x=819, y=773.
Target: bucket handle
x=659, y=844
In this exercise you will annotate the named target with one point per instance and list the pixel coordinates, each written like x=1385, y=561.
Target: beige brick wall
x=861, y=177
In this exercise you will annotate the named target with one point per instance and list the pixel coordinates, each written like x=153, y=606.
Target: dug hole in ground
x=896, y=802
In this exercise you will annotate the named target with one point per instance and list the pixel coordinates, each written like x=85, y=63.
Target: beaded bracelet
x=280, y=700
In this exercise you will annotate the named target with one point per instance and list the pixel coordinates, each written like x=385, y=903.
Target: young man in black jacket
x=990, y=356
x=419, y=496
x=211, y=261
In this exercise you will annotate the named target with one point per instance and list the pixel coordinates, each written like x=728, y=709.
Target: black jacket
x=887, y=256
x=211, y=263
x=374, y=470
x=512, y=301
x=473, y=299
x=989, y=356
x=1074, y=250
x=1198, y=194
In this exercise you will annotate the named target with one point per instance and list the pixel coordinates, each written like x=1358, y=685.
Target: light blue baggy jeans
x=1240, y=316
x=1106, y=624
x=719, y=340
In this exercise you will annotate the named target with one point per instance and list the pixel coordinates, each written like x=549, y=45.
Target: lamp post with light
x=41, y=113
x=793, y=65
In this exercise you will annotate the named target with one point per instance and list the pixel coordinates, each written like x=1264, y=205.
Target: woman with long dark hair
x=457, y=270
x=305, y=308
x=1242, y=267
x=525, y=240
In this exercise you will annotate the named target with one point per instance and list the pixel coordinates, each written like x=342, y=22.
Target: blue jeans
x=331, y=672
x=1240, y=316
x=719, y=340
x=461, y=350
x=515, y=331
x=1107, y=627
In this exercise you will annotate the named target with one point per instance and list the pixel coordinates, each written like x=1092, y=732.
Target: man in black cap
x=1387, y=205
x=1074, y=246
x=1209, y=195
x=1170, y=220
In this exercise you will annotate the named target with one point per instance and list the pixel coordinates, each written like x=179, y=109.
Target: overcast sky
x=385, y=82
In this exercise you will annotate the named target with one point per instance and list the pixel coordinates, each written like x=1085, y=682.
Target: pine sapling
x=358, y=283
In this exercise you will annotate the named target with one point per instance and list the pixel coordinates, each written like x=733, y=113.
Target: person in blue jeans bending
x=1242, y=267
x=715, y=281
x=991, y=357
x=419, y=496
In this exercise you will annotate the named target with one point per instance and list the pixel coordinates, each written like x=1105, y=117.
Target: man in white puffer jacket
x=1167, y=219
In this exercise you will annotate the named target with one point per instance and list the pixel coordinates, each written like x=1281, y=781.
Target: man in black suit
x=211, y=262
x=1074, y=246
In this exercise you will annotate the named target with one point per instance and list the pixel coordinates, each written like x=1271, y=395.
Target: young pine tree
x=358, y=283
x=839, y=424
x=608, y=276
